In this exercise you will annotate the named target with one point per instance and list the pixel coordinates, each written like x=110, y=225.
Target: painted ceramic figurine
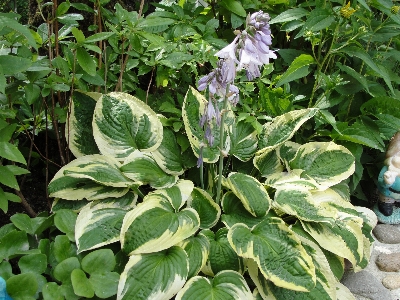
x=389, y=179
x=3, y=291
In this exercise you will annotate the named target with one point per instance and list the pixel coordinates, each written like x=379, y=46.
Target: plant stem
x=221, y=145
x=26, y=205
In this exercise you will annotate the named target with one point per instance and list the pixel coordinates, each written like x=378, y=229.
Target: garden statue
x=3, y=291
x=389, y=185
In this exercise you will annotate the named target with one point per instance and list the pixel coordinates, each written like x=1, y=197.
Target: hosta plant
x=281, y=231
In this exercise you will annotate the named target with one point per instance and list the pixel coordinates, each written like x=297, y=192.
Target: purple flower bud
x=209, y=136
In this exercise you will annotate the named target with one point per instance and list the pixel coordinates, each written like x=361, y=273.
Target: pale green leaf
x=81, y=284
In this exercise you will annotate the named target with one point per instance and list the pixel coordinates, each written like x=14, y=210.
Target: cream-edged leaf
x=122, y=124
x=250, y=191
x=197, y=249
x=226, y=285
x=267, y=162
x=209, y=211
x=177, y=195
x=244, y=141
x=153, y=225
x=291, y=180
x=277, y=251
x=99, y=223
x=154, y=276
x=142, y=167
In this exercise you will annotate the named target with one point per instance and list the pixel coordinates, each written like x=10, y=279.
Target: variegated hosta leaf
x=336, y=263
x=99, y=223
x=277, y=251
x=153, y=225
x=226, y=285
x=291, y=180
x=343, y=293
x=283, y=127
x=267, y=162
x=154, y=276
x=325, y=162
x=234, y=212
x=69, y=188
x=168, y=154
x=287, y=151
x=269, y=290
x=250, y=191
x=300, y=203
x=197, y=249
x=177, y=195
x=122, y=123
x=141, y=167
x=99, y=168
x=209, y=211
x=79, y=128
x=243, y=141
x=369, y=222
x=221, y=256
x=193, y=106
x=344, y=237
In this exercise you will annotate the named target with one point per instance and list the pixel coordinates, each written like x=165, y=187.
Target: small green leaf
x=52, y=291
x=11, y=152
x=14, y=64
x=81, y=284
x=86, y=61
x=235, y=7
x=105, y=284
x=99, y=261
x=13, y=243
x=22, y=286
x=62, y=8
x=290, y=15
x=65, y=220
x=34, y=263
x=297, y=69
x=98, y=37
x=62, y=248
x=62, y=272
x=7, y=178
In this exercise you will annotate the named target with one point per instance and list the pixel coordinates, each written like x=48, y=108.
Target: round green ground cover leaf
x=81, y=284
x=34, y=263
x=122, y=124
x=105, y=285
x=283, y=127
x=153, y=225
x=221, y=256
x=62, y=248
x=13, y=243
x=226, y=285
x=99, y=223
x=243, y=141
x=65, y=220
x=193, y=105
x=209, y=211
x=99, y=261
x=22, y=286
x=168, y=154
x=79, y=129
x=5, y=270
x=234, y=212
x=154, y=276
x=277, y=251
x=325, y=162
x=62, y=272
x=141, y=167
x=52, y=291
x=250, y=191
x=197, y=249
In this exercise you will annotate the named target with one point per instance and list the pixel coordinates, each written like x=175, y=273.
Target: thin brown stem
x=149, y=85
x=26, y=205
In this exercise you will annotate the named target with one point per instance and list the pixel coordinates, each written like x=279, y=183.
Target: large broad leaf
x=99, y=223
x=197, y=249
x=250, y=191
x=343, y=238
x=154, y=225
x=209, y=211
x=79, y=130
x=234, y=212
x=297, y=69
x=226, y=285
x=283, y=128
x=243, y=141
x=141, y=167
x=155, y=276
x=291, y=180
x=123, y=123
x=277, y=251
x=221, y=256
x=168, y=154
x=194, y=105
x=382, y=105
x=325, y=162
x=99, y=168
x=267, y=162
x=70, y=188
x=300, y=203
